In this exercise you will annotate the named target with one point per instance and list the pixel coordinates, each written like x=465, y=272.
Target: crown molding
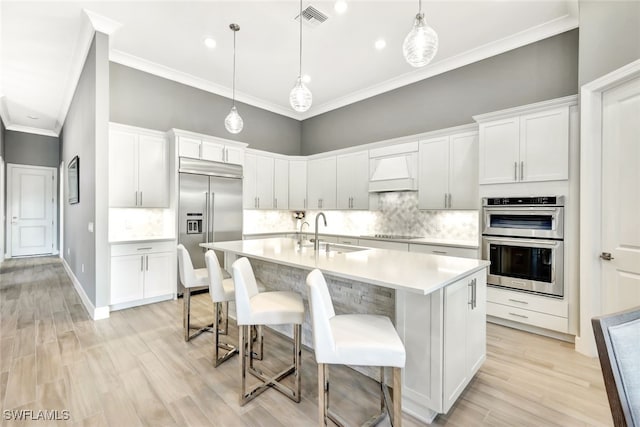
x=102, y=23
x=30, y=129
x=531, y=35
x=565, y=101
x=4, y=111
x=169, y=73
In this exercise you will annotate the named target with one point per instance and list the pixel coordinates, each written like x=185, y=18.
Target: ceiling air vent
x=312, y=17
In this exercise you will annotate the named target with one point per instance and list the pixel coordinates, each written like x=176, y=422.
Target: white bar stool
x=265, y=308
x=353, y=339
x=191, y=279
x=221, y=291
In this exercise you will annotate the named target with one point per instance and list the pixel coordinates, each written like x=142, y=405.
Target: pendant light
x=300, y=97
x=233, y=122
x=421, y=44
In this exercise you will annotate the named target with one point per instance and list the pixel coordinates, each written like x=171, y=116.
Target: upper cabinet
x=525, y=144
x=448, y=177
x=321, y=183
x=297, y=184
x=206, y=147
x=280, y=183
x=258, y=182
x=138, y=167
x=352, y=178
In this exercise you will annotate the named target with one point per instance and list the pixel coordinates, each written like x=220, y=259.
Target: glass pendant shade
x=421, y=44
x=300, y=97
x=233, y=122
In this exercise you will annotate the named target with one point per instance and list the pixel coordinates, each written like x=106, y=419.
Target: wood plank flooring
x=134, y=369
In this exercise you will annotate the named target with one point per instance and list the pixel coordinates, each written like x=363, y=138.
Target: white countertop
x=413, y=272
x=467, y=244
x=140, y=239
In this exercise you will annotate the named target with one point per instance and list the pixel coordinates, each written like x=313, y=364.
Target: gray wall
x=2, y=130
x=145, y=100
x=609, y=36
x=543, y=70
x=31, y=149
x=78, y=138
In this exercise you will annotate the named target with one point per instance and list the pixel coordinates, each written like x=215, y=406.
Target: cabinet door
x=544, y=145
x=352, y=181
x=153, y=172
x=322, y=183
x=281, y=184
x=297, y=184
x=158, y=274
x=499, y=151
x=264, y=182
x=212, y=150
x=249, y=172
x=456, y=300
x=189, y=147
x=234, y=155
x=126, y=278
x=123, y=177
x=463, y=171
x=477, y=325
x=433, y=182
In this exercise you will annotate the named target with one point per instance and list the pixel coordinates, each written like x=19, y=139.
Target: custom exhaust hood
x=394, y=168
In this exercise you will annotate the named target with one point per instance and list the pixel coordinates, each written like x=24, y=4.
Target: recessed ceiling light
x=340, y=6
x=33, y=117
x=306, y=78
x=380, y=44
x=210, y=43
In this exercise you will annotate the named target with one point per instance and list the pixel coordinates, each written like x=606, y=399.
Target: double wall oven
x=523, y=237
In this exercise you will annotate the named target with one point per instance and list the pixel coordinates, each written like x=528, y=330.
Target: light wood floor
x=135, y=369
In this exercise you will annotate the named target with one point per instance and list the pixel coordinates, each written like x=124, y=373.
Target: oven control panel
x=524, y=201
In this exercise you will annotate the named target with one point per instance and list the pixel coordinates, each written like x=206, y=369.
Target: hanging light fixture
x=233, y=122
x=421, y=44
x=300, y=97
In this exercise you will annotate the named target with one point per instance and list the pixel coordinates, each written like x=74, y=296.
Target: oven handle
x=525, y=210
x=517, y=242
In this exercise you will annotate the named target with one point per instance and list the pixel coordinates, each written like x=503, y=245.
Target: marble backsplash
x=397, y=213
x=136, y=223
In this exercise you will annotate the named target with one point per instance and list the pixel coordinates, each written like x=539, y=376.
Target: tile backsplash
x=135, y=223
x=397, y=213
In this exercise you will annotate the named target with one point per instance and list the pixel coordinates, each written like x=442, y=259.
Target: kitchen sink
x=337, y=248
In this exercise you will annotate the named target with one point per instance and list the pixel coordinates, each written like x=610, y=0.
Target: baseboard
x=531, y=329
x=129, y=304
x=95, y=313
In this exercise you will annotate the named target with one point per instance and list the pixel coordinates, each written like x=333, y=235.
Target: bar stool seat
x=255, y=308
x=353, y=339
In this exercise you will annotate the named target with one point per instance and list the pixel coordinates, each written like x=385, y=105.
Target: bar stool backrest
x=321, y=313
x=185, y=267
x=245, y=287
x=216, y=290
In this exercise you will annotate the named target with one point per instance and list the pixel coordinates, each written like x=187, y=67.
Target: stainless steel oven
x=523, y=237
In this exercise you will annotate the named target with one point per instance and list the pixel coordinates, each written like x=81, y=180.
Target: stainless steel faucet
x=300, y=238
x=316, y=242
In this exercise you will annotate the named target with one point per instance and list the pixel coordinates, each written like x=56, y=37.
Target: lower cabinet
x=445, y=334
x=444, y=250
x=384, y=244
x=142, y=273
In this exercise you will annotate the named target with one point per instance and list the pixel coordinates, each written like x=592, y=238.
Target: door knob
x=606, y=256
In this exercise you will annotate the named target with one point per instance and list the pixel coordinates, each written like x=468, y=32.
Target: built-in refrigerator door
x=192, y=223
x=225, y=198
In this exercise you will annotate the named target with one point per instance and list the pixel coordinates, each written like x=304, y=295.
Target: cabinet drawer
x=142, y=248
x=541, y=320
x=444, y=250
x=382, y=244
x=521, y=300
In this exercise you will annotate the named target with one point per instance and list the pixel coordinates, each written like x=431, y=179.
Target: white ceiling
x=43, y=46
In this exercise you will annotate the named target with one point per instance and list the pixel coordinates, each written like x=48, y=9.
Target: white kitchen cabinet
x=321, y=183
x=448, y=176
x=529, y=146
x=384, y=244
x=465, y=329
x=138, y=168
x=205, y=147
x=297, y=184
x=280, y=183
x=258, y=182
x=142, y=273
x=352, y=181
x=444, y=250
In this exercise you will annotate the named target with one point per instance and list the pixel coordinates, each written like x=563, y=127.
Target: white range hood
x=394, y=168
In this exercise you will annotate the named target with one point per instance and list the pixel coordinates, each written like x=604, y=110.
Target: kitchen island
x=438, y=303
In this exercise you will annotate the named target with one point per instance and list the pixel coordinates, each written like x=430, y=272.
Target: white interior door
x=621, y=197
x=32, y=207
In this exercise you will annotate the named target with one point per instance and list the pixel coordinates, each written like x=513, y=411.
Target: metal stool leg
x=186, y=317
x=230, y=350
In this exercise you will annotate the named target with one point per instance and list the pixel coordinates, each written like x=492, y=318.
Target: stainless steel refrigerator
x=210, y=206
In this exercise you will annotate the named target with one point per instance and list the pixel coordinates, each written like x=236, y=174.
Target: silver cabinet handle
x=439, y=252
x=475, y=293
x=141, y=198
x=449, y=200
x=521, y=171
x=255, y=202
x=515, y=171
x=518, y=301
x=258, y=202
x=518, y=315
x=470, y=288
x=141, y=262
x=145, y=249
x=147, y=259
x=136, y=198
x=606, y=256
x=275, y=203
x=445, y=200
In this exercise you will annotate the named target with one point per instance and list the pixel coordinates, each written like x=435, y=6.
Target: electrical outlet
x=68, y=251
x=83, y=268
